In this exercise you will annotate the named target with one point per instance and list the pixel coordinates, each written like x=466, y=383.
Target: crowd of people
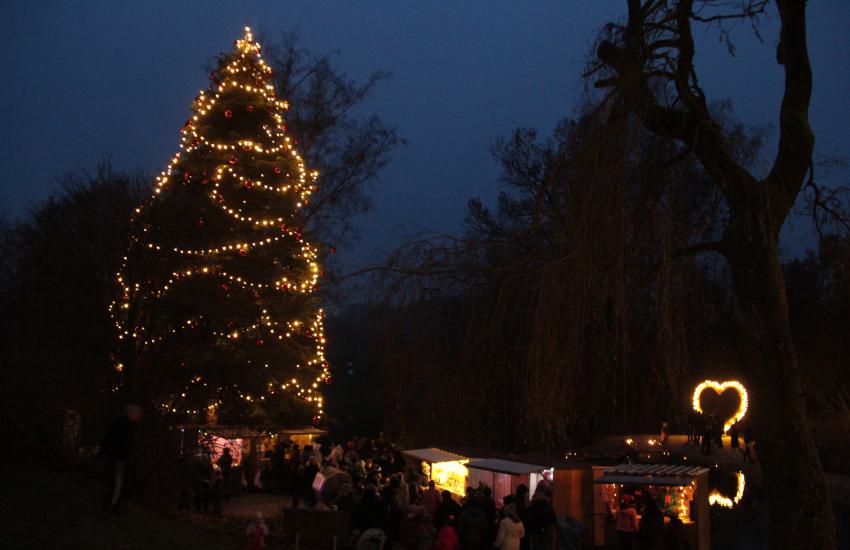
x=640, y=525
x=393, y=504
x=706, y=430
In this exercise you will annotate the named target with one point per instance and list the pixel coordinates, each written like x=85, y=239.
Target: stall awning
x=432, y=455
x=505, y=466
x=303, y=431
x=650, y=474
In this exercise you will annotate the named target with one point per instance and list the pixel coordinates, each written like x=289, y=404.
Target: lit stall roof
x=505, y=466
x=650, y=474
x=433, y=454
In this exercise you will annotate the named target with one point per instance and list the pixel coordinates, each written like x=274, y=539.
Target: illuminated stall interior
x=504, y=476
x=242, y=440
x=447, y=470
x=682, y=491
x=302, y=436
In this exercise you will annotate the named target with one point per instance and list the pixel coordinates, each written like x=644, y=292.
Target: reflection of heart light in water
x=720, y=387
x=716, y=498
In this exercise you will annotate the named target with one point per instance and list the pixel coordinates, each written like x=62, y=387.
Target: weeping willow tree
x=567, y=307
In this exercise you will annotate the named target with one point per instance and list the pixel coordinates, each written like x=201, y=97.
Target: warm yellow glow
x=716, y=498
x=450, y=476
x=720, y=387
x=246, y=73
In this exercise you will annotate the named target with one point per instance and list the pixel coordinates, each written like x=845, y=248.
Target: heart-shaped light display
x=720, y=387
x=718, y=499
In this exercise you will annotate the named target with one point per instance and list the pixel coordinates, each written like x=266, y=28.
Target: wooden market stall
x=504, y=476
x=447, y=470
x=679, y=490
x=302, y=436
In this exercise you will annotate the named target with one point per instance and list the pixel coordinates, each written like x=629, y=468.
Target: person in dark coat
x=699, y=427
x=651, y=532
x=202, y=479
x=225, y=463
x=733, y=435
x=369, y=512
x=539, y=520
x=448, y=507
x=116, y=448
x=310, y=472
x=488, y=506
x=472, y=526
x=707, y=433
x=674, y=534
x=718, y=430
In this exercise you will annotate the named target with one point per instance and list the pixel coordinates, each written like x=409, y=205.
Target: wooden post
x=703, y=515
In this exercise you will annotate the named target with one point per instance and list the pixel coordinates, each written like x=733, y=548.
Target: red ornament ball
x=250, y=108
x=259, y=341
x=228, y=113
x=277, y=169
x=232, y=160
x=199, y=222
x=248, y=184
x=243, y=251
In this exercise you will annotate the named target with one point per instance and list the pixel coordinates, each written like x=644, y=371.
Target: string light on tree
x=217, y=290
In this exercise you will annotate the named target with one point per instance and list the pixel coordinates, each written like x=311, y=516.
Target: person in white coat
x=511, y=530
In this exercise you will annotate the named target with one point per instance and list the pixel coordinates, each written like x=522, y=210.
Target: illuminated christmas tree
x=217, y=312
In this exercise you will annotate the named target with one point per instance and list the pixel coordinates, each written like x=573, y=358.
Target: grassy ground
x=45, y=509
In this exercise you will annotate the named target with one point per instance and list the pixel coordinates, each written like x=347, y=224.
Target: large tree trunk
x=801, y=514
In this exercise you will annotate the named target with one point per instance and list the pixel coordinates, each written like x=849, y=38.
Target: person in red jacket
x=447, y=538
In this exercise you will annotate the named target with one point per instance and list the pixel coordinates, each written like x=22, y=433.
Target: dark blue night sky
x=89, y=80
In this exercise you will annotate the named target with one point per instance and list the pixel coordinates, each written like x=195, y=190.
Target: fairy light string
x=246, y=192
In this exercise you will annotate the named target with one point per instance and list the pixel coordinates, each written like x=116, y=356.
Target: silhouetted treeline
x=59, y=270
x=579, y=304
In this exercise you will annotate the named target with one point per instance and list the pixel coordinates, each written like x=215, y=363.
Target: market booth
x=447, y=470
x=679, y=490
x=504, y=476
x=302, y=436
